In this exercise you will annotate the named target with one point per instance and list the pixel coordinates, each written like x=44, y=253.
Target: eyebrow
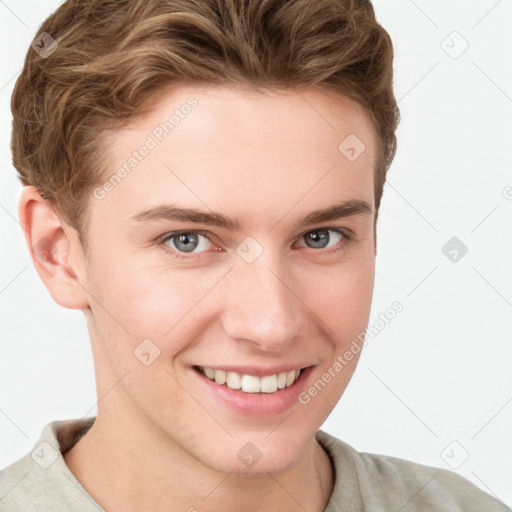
x=171, y=212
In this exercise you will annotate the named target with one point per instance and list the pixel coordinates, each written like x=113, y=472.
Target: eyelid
x=171, y=234
x=348, y=236
x=348, y=233
x=345, y=231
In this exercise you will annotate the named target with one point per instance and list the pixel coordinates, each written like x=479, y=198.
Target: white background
x=435, y=385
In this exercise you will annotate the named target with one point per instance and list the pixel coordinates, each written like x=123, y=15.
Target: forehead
x=212, y=145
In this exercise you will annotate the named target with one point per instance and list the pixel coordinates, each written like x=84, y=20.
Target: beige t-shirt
x=40, y=481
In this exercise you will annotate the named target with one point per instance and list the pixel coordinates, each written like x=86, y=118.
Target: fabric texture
x=41, y=481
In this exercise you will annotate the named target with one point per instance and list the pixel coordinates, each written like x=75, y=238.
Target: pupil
x=318, y=237
x=188, y=246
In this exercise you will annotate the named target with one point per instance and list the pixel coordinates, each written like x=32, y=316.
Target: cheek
x=341, y=297
x=342, y=301
x=160, y=304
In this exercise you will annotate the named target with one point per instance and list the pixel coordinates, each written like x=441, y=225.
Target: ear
x=55, y=250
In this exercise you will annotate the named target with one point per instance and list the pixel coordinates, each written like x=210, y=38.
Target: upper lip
x=257, y=371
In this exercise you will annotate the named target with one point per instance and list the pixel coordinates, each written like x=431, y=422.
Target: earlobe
x=54, y=249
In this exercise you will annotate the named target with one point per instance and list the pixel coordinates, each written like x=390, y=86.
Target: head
x=257, y=114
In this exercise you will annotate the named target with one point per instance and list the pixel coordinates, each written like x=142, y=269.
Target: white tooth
x=220, y=377
x=233, y=380
x=269, y=384
x=250, y=384
x=290, y=378
x=209, y=373
x=281, y=380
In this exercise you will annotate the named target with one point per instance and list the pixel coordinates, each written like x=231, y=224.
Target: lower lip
x=257, y=404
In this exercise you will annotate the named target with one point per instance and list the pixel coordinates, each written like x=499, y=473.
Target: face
x=210, y=260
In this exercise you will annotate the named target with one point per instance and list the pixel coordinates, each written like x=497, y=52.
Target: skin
x=159, y=442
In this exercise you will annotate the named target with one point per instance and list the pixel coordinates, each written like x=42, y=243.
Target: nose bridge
x=261, y=304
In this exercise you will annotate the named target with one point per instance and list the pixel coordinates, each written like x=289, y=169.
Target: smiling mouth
x=251, y=383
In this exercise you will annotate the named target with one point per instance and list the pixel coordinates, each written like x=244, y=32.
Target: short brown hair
x=114, y=57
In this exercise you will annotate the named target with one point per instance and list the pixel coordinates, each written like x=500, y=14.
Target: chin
x=269, y=464
x=255, y=456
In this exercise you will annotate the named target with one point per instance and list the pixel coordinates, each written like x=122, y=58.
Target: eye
x=321, y=238
x=185, y=242
x=190, y=244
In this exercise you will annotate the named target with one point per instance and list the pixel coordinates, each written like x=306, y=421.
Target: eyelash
x=348, y=238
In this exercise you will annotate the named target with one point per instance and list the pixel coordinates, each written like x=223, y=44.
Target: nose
x=263, y=304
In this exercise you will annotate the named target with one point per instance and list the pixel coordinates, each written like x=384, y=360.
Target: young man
x=202, y=179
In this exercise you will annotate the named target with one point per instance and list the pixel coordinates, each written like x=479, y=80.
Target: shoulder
x=20, y=488
x=389, y=483
x=422, y=487
x=40, y=480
